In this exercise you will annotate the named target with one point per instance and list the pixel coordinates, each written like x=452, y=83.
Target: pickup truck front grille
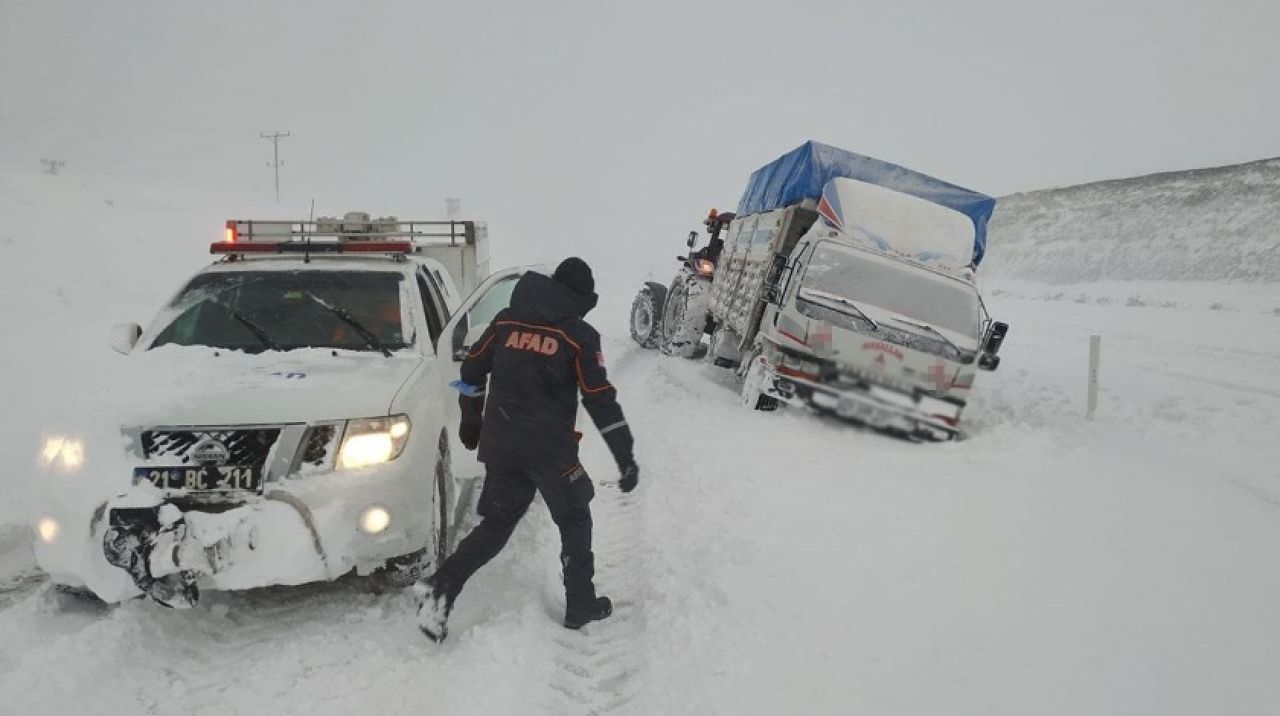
x=318, y=443
x=244, y=446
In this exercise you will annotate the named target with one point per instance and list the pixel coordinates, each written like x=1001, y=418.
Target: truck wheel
x=684, y=317
x=646, y=314
x=752, y=382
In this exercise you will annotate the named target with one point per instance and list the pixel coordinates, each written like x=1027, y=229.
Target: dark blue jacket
x=537, y=357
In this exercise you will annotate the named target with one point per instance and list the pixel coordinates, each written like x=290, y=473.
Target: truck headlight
x=373, y=441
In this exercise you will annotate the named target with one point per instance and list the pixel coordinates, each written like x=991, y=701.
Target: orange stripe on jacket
x=483, y=348
x=577, y=349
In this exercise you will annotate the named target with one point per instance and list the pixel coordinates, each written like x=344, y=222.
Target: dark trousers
x=504, y=500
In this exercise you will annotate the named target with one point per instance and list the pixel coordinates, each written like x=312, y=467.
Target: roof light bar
x=313, y=247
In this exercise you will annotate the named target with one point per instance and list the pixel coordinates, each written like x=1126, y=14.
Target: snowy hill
x=1220, y=224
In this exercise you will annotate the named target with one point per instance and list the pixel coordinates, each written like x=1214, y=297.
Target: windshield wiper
x=930, y=329
x=835, y=298
x=357, y=326
x=245, y=321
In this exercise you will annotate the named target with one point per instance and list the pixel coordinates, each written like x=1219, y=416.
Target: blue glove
x=467, y=389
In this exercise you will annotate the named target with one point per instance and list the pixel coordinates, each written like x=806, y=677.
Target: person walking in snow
x=536, y=357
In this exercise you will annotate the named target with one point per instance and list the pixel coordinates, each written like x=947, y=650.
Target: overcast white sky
x=594, y=120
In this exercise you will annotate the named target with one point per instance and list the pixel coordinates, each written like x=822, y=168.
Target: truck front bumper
x=920, y=416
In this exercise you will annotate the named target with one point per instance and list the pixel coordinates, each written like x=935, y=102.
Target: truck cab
x=871, y=339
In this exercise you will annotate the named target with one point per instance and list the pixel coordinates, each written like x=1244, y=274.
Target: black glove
x=469, y=434
x=630, y=477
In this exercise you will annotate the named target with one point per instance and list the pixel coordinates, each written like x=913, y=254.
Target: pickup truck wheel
x=684, y=317
x=646, y=314
x=444, y=478
x=403, y=571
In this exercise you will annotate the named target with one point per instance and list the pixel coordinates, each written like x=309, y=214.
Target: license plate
x=213, y=478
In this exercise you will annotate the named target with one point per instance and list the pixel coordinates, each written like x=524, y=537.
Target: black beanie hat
x=575, y=274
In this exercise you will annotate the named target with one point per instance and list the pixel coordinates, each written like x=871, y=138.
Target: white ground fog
x=1047, y=564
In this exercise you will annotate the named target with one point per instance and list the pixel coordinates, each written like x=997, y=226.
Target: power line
x=275, y=163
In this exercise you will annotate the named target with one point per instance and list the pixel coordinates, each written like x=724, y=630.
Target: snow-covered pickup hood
x=198, y=386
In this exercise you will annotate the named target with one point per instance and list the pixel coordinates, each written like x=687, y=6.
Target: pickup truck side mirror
x=988, y=361
x=995, y=337
x=458, y=339
x=693, y=238
x=124, y=336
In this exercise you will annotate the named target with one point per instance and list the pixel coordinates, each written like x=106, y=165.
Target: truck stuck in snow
x=843, y=284
x=285, y=419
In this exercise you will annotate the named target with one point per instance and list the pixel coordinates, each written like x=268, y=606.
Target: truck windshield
x=873, y=282
x=256, y=311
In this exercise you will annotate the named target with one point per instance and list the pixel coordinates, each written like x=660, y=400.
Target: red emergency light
x=233, y=233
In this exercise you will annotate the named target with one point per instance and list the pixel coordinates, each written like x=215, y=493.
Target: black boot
x=436, y=595
x=578, y=616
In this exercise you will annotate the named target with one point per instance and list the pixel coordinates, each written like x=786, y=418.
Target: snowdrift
x=1220, y=224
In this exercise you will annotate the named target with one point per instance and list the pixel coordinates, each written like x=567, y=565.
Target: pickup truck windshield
x=256, y=311
x=874, y=282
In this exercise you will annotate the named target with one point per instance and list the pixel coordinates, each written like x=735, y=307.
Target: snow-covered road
x=1048, y=564
x=768, y=562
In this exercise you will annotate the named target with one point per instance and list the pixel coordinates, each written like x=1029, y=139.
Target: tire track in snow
x=18, y=573
x=597, y=670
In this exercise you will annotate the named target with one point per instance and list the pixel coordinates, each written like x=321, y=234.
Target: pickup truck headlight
x=62, y=453
x=373, y=441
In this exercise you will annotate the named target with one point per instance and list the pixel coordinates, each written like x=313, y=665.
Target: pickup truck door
x=466, y=325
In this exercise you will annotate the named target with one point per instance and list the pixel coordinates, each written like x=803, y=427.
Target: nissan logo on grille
x=210, y=452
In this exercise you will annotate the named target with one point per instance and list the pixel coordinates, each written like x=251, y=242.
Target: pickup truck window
x=431, y=308
x=875, y=282
x=498, y=298
x=256, y=311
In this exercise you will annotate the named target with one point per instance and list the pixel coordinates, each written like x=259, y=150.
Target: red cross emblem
x=941, y=378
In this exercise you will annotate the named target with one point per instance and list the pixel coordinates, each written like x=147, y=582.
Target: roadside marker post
x=1095, y=354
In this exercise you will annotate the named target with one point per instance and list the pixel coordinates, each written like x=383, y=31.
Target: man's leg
x=503, y=501
x=568, y=497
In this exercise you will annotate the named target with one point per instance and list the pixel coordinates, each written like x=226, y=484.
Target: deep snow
x=1215, y=224
x=1047, y=564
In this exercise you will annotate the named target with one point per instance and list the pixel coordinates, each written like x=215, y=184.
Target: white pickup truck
x=286, y=418
x=843, y=284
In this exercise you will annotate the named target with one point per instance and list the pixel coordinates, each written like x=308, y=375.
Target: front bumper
x=871, y=405
x=299, y=530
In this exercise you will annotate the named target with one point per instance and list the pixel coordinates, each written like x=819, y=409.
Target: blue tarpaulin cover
x=803, y=172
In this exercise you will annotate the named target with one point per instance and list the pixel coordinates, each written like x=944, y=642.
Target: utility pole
x=275, y=163
x=51, y=166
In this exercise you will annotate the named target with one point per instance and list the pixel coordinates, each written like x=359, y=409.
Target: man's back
x=539, y=354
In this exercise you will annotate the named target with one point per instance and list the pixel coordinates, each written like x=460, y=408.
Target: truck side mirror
x=988, y=361
x=773, y=284
x=124, y=336
x=995, y=338
x=693, y=238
